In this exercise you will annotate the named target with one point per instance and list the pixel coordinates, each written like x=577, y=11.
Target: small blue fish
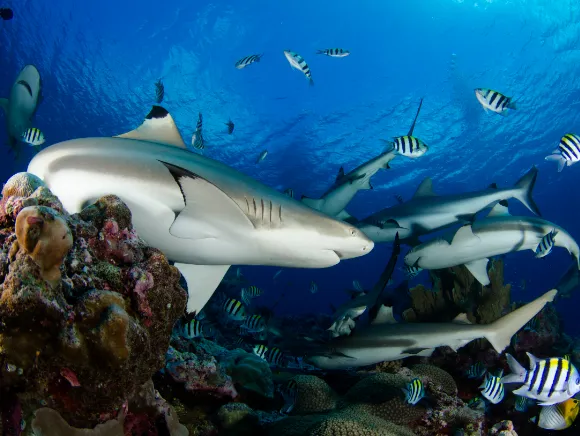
x=414, y=392
x=477, y=370
x=522, y=404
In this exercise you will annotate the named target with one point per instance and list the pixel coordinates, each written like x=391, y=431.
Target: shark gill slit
x=262, y=202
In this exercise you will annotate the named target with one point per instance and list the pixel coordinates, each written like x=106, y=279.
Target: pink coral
x=143, y=282
x=70, y=376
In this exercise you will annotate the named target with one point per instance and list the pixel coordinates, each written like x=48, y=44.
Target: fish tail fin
x=500, y=332
x=518, y=372
x=512, y=105
x=319, y=51
x=559, y=159
x=389, y=146
x=525, y=187
x=310, y=81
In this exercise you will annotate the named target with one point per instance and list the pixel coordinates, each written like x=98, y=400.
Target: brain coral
x=81, y=338
x=314, y=395
x=437, y=376
x=381, y=395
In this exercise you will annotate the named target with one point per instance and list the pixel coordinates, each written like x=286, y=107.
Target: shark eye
x=352, y=232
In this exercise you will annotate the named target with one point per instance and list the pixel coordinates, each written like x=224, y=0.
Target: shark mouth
x=26, y=85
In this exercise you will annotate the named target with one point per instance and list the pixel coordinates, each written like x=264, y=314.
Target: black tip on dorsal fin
x=157, y=112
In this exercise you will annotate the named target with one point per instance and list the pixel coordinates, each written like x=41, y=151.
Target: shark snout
x=358, y=244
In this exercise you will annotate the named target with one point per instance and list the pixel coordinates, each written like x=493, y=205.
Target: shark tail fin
x=524, y=188
x=518, y=372
x=500, y=332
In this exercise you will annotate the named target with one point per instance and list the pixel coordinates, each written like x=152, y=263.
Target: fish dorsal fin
x=465, y=234
x=533, y=360
x=425, y=189
x=158, y=126
x=499, y=210
x=461, y=319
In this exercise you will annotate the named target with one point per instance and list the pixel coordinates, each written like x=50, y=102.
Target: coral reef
x=82, y=335
x=434, y=375
x=456, y=291
x=313, y=395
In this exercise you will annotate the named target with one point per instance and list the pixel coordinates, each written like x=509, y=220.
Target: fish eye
x=352, y=232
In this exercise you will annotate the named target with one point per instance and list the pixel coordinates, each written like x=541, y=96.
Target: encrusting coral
x=313, y=395
x=84, y=334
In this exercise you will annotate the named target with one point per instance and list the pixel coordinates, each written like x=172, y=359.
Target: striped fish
x=260, y=350
x=192, y=329
x=313, y=287
x=254, y=324
x=249, y=293
x=568, y=151
x=522, y=404
x=248, y=60
x=399, y=199
x=494, y=101
x=357, y=286
x=477, y=370
x=558, y=416
x=33, y=136
x=159, y=91
x=275, y=356
x=289, y=392
x=234, y=309
x=411, y=271
x=334, y=52
x=197, y=138
x=409, y=146
x=492, y=388
x=289, y=192
x=550, y=381
x=532, y=325
x=414, y=392
x=298, y=62
x=546, y=244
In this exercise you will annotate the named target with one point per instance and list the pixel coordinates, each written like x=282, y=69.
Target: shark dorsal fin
x=384, y=316
x=465, y=234
x=498, y=210
x=159, y=127
x=425, y=189
x=461, y=319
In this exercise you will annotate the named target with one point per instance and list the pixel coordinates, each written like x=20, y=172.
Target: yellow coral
x=45, y=236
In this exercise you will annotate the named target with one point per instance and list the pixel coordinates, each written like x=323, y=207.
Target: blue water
x=99, y=61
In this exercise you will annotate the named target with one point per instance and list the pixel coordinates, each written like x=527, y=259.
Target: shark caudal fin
x=524, y=187
x=500, y=332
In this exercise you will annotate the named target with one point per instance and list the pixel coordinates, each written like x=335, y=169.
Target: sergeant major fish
x=289, y=392
x=298, y=62
x=492, y=388
x=254, y=324
x=334, y=52
x=234, y=309
x=549, y=381
x=546, y=244
x=494, y=101
x=260, y=350
x=159, y=91
x=34, y=137
x=414, y=391
x=476, y=370
x=231, y=126
x=568, y=151
x=248, y=60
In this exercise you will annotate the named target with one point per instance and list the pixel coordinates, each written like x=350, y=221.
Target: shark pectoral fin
x=314, y=203
x=425, y=189
x=343, y=215
x=205, y=206
x=426, y=352
x=461, y=319
x=415, y=351
x=4, y=105
x=478, y=269
x=202, y=281
x=159, y=127
x=498, y=210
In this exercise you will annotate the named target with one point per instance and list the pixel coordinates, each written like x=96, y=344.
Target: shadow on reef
x=88, y=345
